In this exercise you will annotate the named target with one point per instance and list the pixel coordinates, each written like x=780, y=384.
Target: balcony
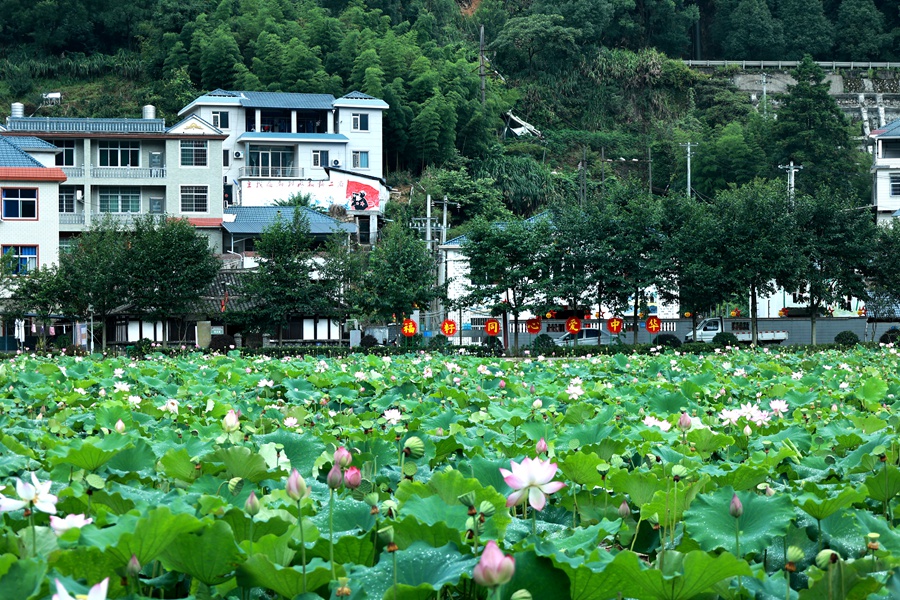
x=272, y=172
x=128, y=173
x=71, y=218
x=74, y=172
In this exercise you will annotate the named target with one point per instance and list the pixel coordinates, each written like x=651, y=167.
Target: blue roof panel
x=254, y=219
x=13, y=156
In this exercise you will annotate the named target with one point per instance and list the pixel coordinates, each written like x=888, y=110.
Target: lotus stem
x=331, y=534
x=302, y=541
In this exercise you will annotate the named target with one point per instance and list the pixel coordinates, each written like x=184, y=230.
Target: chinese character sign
x=448, y=327
x=409, y=328
x=614, y=324
x=492, y=327
x=653, y=324
x=573, y=325
x=533, y=326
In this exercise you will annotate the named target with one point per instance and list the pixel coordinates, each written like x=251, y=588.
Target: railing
x=272, y=172
x=790, y=64
x=74, y=172
x=128, y=173
x=71, y=218
x=126, y=219
x=69, y=125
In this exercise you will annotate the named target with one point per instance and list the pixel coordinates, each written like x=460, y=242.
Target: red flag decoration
x=361, y=196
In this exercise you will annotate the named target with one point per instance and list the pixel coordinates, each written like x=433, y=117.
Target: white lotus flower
x=36, y=495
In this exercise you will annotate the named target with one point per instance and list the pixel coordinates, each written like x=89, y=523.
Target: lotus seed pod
x=794, y=554
x=521, y=595
x=415, y=447
x=386, y=534
x=471, y=525
x=679, y=471
x=826, y=557
x=467, y=499
x=371, y=499
x=486, y=508
x=616, y=461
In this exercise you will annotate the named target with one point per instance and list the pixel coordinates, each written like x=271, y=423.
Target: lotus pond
x=735, y=474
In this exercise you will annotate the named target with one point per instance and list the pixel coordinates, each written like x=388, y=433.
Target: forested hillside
x=601, y=80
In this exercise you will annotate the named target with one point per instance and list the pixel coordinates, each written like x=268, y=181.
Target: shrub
x=667, y=339
x=725, y=338
x=890, y=336
x=368, y=341
x=438, y=342
x=493, y=346
x=846, y=338
x=411, y=343
x=543, y=344
x=141, y=348
x=221, y=343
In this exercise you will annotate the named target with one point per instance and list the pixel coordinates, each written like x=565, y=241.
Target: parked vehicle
x=590, y=337
x=741, y=329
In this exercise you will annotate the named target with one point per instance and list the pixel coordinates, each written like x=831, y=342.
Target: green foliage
x=846, y=338
x=724, y=338
x=543, y=344
x=668, y=340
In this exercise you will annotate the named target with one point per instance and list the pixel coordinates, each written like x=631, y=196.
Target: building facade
x=886, y=170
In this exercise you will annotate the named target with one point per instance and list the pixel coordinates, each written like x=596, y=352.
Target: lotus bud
x=521, y=595
x=352, y=478
x=736, y=509
x=794, y=554
x=467, y=499
x=502, y=384
x=486, y=509
x=252, y=506
x=335, y=477
x=684, y=422
x=494, y=568
x=133, y=568
x=747, y=430
x=231, y=422
x=342, y=457
x=827, y=557
x=414, y=447
x=624, y=509
x=120, y=426
x=541, y=446
x=296, y=487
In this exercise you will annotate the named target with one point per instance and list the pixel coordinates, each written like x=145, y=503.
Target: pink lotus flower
x=60, y=526
x=232, y=421
x=335, y=477
x=531, y=481
x=98, y=592
x=35, y=495
x=342, y=457
x=494, y=568
x=779, y=407
x=541, y=446
x=352, y=478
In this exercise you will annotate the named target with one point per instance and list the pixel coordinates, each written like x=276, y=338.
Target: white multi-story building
x=886, y=170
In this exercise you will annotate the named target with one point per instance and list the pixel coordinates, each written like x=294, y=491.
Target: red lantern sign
x=492, y=327
x=533, y=325
x=614, y=325
x=409, y=328
x=448, y=327
x=653, y=324
x=573, y=325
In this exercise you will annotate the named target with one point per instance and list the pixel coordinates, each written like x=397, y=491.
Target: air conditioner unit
x=238, y=154
x=336, y=162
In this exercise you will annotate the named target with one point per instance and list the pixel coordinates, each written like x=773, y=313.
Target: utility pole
x=583, y=191
x=650, y=168
x=481, y=63
x=688, y=146
x=764, y=102
x=791, y=169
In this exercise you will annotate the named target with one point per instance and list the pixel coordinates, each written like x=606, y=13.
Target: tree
x=344, y=266
x=755, y=228
x=507, y=265
x=287, y=282
x=834, y=244
x=39, y=292
x=753, y=32
x=883, y=298
x=860, y=31
x=169, y=266
x=400, y=276
x=96, y=270
x=815, y=37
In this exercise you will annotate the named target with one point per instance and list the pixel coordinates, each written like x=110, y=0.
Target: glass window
x=360, y=122
x=19, y=203
x=120, y=154
x=226, y=158
x=360, y=160
x=120, y=200
x=193, y=153
x=220, y=119
x=67, y=198
x=271, y=161
x=895, y=184
x=26, y=258
x=194, y=198
x=320, y=158
x=66, y=158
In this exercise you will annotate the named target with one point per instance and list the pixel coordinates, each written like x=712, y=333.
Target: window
x=360, y=160
x=226, y=158
x=26, y=258
x=120, y=200
x=120, y=154
x=19, y=203
x=272, y=161
x=193, y=153
x=220, y=119
x=360, y=122
x=66, y=158
x=194, y=198
x=67, y=198
x=895, y=184
x=320, y=158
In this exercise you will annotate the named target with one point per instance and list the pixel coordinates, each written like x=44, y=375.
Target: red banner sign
x=615, y=324
x=448, y=327
x=533, y=325
x=653, y=324
x=409, y=328
x=492, y=327
x=573, y=324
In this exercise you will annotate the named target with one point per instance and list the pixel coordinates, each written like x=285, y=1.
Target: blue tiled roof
x=251, y=220
x=13, y=156
x=30, y=142
x=890, y=130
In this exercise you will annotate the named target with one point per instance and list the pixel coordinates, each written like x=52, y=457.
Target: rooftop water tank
x=18, y=109
x=149, y=111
